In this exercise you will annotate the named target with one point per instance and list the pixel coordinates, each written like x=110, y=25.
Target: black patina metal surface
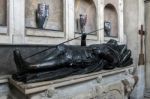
x=66, y=60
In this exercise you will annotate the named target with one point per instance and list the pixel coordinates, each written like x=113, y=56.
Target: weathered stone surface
x=110, y=87
x=147, y=12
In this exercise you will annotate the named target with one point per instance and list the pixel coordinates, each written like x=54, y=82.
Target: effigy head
x=113, y=42
x=61, y=47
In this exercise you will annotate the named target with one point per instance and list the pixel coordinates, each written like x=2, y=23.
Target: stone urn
x=107, y=28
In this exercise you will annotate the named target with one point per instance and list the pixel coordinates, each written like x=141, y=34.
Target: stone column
x=10, y=18
x=69, y=19
x=100, y=19
x=121, y=23
x=140, y=72
x=19, y=22
x=147, y=47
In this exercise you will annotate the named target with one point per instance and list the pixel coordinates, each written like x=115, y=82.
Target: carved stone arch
x=111, y=15
x=115, y=3
x=86, y=7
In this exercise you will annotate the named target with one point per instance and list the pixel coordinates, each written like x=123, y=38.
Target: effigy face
x=67, y=60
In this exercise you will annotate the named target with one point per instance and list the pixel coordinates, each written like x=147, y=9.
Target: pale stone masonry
x=130, y=17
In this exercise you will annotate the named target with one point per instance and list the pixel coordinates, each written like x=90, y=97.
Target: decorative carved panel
x=55, y=19
x=3, y=12
x=85, y=7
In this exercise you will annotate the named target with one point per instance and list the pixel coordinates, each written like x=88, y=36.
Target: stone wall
x=131, y=21
x=147, y=13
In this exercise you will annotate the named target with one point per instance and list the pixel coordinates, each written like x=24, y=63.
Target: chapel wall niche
x=86, y=7
x=3, y=12
x=55, y=18
x=111, y=18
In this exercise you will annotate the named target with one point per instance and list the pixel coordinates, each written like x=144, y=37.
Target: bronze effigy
x=67, y=60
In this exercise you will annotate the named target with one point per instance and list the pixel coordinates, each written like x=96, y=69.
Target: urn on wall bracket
x=42, y=14
x=107, y=28
x=83, y=21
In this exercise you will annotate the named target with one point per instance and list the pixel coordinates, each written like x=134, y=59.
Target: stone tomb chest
x=111, y=84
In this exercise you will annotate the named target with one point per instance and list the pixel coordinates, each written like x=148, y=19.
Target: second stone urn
x=42, y=14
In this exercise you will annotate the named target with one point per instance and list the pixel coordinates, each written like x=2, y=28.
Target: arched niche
x=85, y=7
x=55, y=19
x=111, y=17
x=3, y=12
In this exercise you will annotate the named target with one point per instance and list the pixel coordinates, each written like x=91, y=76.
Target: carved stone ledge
x=3, y=30
x=4, y=79
x=89, y=37
x=44, y=33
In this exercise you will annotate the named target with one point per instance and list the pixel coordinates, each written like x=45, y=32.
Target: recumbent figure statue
x=67, y=60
